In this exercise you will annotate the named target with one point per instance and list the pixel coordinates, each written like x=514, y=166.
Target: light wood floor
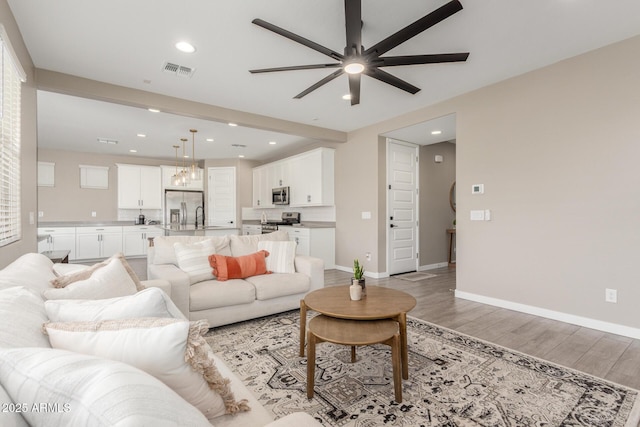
x=613, y=357
x=605, y=355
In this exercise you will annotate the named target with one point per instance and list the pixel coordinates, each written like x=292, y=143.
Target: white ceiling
x=127, y=43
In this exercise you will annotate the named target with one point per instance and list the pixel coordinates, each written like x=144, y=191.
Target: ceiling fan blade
x=322, y=82
x=299, y=39
x=385, y=77
x=295, y=67
x=415, y=28
x=353, y=23
x=391, y=61
x=354, y=88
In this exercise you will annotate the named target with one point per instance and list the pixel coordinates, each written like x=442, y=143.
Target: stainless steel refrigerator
x=183, y=207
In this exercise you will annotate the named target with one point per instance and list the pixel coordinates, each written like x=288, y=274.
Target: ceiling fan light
x=354, y=68
x=346, y=97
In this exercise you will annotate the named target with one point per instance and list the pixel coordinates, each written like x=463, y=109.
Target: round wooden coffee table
x=380, y=303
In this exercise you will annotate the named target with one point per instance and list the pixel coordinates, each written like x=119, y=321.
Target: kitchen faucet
x=200, y=207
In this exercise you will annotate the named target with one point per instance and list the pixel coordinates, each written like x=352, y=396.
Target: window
x=11, y=78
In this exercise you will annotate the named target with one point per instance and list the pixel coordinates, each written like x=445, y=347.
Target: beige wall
x=436, y=214
x=557, y=151
x=28, y=148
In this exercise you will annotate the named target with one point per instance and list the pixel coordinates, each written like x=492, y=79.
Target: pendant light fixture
x=184, y=174
x=195, y=172
x=175, y=179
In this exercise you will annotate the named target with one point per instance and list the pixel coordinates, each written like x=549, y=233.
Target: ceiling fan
x=357, y=60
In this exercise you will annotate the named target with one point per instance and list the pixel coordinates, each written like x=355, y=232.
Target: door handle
x=391, y=225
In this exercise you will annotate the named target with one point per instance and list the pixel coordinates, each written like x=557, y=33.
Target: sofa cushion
x=22, y=314
x=84, y=273
x=214, y=294
x=193, y=259
x=171, y=350
x=90, y=391
x=109, y=281
x=228, y=267
x=164, y=252
x=151, y=302
x=279, y=285
x=281, y=255
x=245, y=245
x=31, y=270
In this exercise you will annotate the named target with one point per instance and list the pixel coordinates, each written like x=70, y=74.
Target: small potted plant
x=358, y=275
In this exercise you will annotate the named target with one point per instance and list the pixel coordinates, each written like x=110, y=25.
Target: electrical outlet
x=40, y=214
x=611, y=295
x=93, y=214
x=368, y=256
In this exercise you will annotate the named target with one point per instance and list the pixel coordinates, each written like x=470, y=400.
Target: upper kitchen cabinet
x=312, y=178
x=139, y=187
x=262, y=187
x=193, y=184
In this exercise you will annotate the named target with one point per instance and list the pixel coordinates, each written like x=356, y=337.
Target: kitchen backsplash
x=132, y=214
x=321, y=213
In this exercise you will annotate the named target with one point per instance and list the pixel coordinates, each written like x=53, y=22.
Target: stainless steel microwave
x=280, y=196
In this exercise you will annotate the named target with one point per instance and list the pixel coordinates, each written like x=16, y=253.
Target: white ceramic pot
x=355, y=291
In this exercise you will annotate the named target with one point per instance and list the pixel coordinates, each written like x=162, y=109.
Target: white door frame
x=387, y=211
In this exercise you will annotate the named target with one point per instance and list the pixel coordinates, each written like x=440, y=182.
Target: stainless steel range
x=288, y=218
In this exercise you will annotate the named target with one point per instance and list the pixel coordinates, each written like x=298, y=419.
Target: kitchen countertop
x=303, y=224
x=88, y=223
x=179, y=227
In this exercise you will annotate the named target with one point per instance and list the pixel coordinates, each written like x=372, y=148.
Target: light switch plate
x=366, y=215
x=477, y=215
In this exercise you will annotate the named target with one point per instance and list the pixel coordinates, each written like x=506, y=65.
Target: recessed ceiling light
x=186, y=156
x=133, y=151
x=142, y=135
x=436, y=132
x=346, y=97
x=272, y=143
x=233, y=124
x=185, y=47
x=209, y=140
x=153, y=110
x=241, y=156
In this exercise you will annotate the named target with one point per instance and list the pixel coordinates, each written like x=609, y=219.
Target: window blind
x=11, y=76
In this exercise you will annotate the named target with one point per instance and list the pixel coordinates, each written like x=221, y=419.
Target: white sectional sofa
x=223, y=302
x=40, y=385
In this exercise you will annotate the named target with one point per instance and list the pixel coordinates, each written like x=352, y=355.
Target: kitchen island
x=192, y=230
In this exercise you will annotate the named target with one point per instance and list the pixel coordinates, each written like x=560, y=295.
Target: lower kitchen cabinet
x=58, y=239
x=315, y=242
x=135, y=239
x=251, y=229
x=98, y=242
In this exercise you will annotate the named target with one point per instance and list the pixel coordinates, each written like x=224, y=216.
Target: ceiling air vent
x=178, y=70
x=239, y=145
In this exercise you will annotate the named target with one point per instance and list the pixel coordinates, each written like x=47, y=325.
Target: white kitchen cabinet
x=251, y=229
x=139, y=187
x=315, y=242
x=135, y=239
x=169, y=171
x=58, y=239
x=262, y=187
x=98, y=242
x=312, y=178
x=280, y=175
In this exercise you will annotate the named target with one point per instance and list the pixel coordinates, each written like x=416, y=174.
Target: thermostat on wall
x=477, y=189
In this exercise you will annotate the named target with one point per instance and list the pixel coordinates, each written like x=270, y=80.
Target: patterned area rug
x=454, y=381
x=416, y=276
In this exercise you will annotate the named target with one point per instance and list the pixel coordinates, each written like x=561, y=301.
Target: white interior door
x=221, y=196
x=402, y=224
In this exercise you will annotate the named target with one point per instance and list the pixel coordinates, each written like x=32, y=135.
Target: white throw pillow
x=109, y=281
x=81, y=390
x=245, y=245
x=281, y=255
x=75, y=275
x=164, y=252
x=194, y=260
x=22, y=314
x=151, y=302
x=171, y=350
x=31, y=270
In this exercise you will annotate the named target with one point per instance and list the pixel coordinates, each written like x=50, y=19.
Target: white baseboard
x=433, y=266
x=600, y=325
x=366, y=273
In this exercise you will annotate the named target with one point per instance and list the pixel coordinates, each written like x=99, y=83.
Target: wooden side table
x=354, y=333
x=452, y=239
x=61, y=256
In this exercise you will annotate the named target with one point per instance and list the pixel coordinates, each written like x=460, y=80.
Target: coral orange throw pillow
x=227, y=267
